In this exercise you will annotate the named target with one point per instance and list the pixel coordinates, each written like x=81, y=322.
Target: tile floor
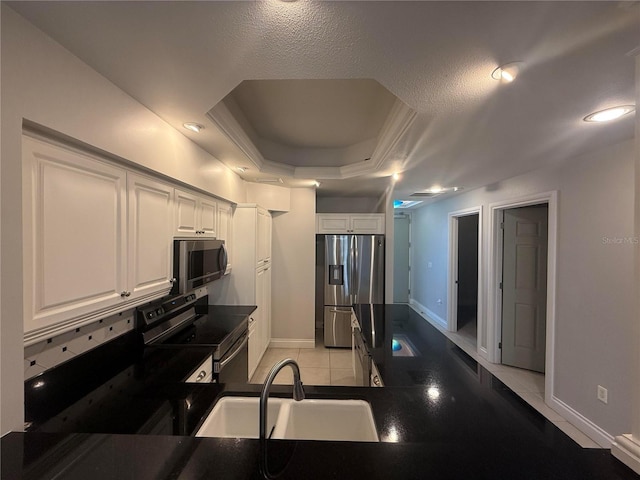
x=318, y=366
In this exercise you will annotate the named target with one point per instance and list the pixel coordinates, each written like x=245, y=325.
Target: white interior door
x=401, y=259
x=524, y=280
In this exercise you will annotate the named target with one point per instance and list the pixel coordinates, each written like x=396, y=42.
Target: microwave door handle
x=234, y=354
x=223, y=258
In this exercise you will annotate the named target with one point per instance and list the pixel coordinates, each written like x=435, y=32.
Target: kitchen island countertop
x=474, y=427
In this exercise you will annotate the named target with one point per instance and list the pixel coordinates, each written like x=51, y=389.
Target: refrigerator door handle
x=355, y=275
x=352, y=269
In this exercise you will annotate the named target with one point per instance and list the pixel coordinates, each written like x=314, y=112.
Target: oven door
x=234, y=365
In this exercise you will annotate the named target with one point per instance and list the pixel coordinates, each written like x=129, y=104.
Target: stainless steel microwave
x=197, y=262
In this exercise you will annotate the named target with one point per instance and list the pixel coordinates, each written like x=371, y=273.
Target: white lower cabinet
x=204, y=372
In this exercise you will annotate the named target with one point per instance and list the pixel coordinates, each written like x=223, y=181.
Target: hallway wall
x=594, y=305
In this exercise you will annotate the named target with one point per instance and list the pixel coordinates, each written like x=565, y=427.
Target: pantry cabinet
x=251, y=279
x=355, y=223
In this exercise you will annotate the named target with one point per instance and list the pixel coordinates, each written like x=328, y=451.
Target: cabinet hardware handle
x=128, y=294
x=123, y=294
x=173, y=280
x=201, y=375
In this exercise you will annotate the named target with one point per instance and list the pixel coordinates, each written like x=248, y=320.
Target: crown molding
x=399, y=120
x=229, y=126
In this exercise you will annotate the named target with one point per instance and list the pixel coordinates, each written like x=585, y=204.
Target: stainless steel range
x=182, y=321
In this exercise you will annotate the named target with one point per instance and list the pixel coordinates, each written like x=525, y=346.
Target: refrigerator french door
x=353, y=273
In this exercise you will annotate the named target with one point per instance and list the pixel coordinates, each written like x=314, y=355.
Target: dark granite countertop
x=444, y=417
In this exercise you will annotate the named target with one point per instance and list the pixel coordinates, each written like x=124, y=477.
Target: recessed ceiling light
x=396, y=176
x=609, y=114
x=194, y=127
x=242, y=169
x=507, y=73
x=435, y=189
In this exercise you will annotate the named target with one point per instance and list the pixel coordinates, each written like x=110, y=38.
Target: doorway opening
x=464, y=297
x=401, y=258
x=494, y=328
x=524, y=286
x=467, y=278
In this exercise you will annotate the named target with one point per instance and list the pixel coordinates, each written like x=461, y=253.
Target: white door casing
x=452, y=291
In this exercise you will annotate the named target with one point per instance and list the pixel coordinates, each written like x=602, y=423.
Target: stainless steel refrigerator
x=353, y=273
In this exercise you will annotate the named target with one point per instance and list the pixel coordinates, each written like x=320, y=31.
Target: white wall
x=350, y=205
x=594, y=307
x=43, y=83
x=293, y=277
x=272, y=197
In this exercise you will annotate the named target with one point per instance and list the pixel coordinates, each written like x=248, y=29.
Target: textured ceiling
x=180, y=59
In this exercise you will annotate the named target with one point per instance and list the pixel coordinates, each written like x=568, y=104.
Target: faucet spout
x=298, y=390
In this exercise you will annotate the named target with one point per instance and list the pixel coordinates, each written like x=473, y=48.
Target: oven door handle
x=234, y=354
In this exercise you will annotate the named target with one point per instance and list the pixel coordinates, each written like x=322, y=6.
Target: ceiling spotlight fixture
x=395, y=176
x=507, y=73
x=316, y=183
x=436, y=189
x=609, y=114
x=242, y=169
x=194, y=127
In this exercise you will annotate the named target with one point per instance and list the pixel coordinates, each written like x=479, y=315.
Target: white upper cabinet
x=195, y=215
x=150, y=235
x=75, y=243
x=357, y=223
x=225, y=230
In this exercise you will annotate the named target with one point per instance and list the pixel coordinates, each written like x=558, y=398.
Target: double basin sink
x=309, y=419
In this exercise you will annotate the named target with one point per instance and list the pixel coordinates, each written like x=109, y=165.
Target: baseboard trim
x=428, y=314
x=627, y=449
x=582, y=423
x=292, y=343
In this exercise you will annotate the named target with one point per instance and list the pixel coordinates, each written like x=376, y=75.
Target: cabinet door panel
x=367, y=224
x=207, y=210
x=150, y=235
x=332, y=223
x=77, y=259
x=186, y=206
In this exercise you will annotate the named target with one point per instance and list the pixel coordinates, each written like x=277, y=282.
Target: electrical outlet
x=603, y=394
